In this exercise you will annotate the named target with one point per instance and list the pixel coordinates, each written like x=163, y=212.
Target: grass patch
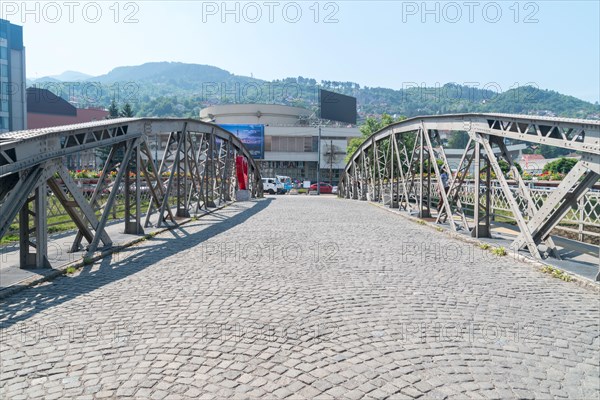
x=10, y=238
x=150, y=235
x=60, y=221
x=484, y=246
x=439, y=229
x=421, y=222
x=499, y=251
x=557, y=273
x=70, y=270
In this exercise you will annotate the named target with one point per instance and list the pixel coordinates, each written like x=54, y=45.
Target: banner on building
x=253, y=137
x=333, y=153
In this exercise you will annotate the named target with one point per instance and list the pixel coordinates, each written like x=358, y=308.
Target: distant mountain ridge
x=67, y=76
x=181, y=89
x=159, y=72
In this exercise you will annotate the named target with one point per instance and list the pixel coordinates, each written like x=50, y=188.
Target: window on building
x=4, y=70
x=288, y=144
x=3, y=122
x=3, y=105
x=3, y=53
x=308, y=145
x=5, y=88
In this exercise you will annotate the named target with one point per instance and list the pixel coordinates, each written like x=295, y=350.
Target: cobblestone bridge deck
x=302, y=297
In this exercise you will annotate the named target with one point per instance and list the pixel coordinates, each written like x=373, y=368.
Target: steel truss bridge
x=391, y=167
x=197, y=172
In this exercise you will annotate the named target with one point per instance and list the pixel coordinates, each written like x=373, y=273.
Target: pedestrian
x=445, y=183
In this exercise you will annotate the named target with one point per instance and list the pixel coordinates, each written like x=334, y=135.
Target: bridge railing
x=582, y=221
x=38, y=194
x=401, y=162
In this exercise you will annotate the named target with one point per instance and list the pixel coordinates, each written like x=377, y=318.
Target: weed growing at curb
x=70, y=270
x=499, y=251
x=557, y=273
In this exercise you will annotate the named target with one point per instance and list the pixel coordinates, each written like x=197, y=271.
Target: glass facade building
x=13, y=98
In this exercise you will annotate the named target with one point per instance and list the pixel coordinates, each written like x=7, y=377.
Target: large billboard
x=253, y=137
x=337, y=107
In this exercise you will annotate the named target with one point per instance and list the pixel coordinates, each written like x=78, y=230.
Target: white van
x=269, y=185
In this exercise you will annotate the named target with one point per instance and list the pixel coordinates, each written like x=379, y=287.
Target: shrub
x=561, y=166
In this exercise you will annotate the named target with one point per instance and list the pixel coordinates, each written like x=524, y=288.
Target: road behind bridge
x=302, y=297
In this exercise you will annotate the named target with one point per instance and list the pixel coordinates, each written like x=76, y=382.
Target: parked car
x=273, y=186
x=324, y=187
x=269, y=185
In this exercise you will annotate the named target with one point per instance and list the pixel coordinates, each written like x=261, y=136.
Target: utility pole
x=319, y=161
x=331, y=153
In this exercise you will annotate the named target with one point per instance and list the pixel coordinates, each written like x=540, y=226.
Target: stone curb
x=62, y=270
x=539, y=265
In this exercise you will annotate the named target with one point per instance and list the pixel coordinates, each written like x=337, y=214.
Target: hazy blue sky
x=554, y=44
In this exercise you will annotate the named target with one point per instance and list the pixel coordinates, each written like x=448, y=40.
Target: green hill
x=181, y=90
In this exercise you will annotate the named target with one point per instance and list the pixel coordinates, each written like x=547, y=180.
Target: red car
x=325, y=187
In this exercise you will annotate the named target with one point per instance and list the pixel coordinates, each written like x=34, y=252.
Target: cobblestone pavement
x=302, y=297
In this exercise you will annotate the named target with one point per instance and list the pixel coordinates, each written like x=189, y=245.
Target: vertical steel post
x=133, y=223
x=41, y=226
x=421, y=206
x=34, y=211
x=476, y=202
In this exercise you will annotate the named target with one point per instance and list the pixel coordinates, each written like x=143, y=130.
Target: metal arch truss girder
x=196, y=174
x=386, y=168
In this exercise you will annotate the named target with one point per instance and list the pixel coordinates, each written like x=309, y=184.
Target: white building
x=290, y=139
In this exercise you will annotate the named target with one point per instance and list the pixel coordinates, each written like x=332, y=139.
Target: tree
x=562, y=166
x=458, y=140
x=505, y=167
x=353, y=146
x=127, y=111
x=369, y=127
x=429, y=168
x=113, y=110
